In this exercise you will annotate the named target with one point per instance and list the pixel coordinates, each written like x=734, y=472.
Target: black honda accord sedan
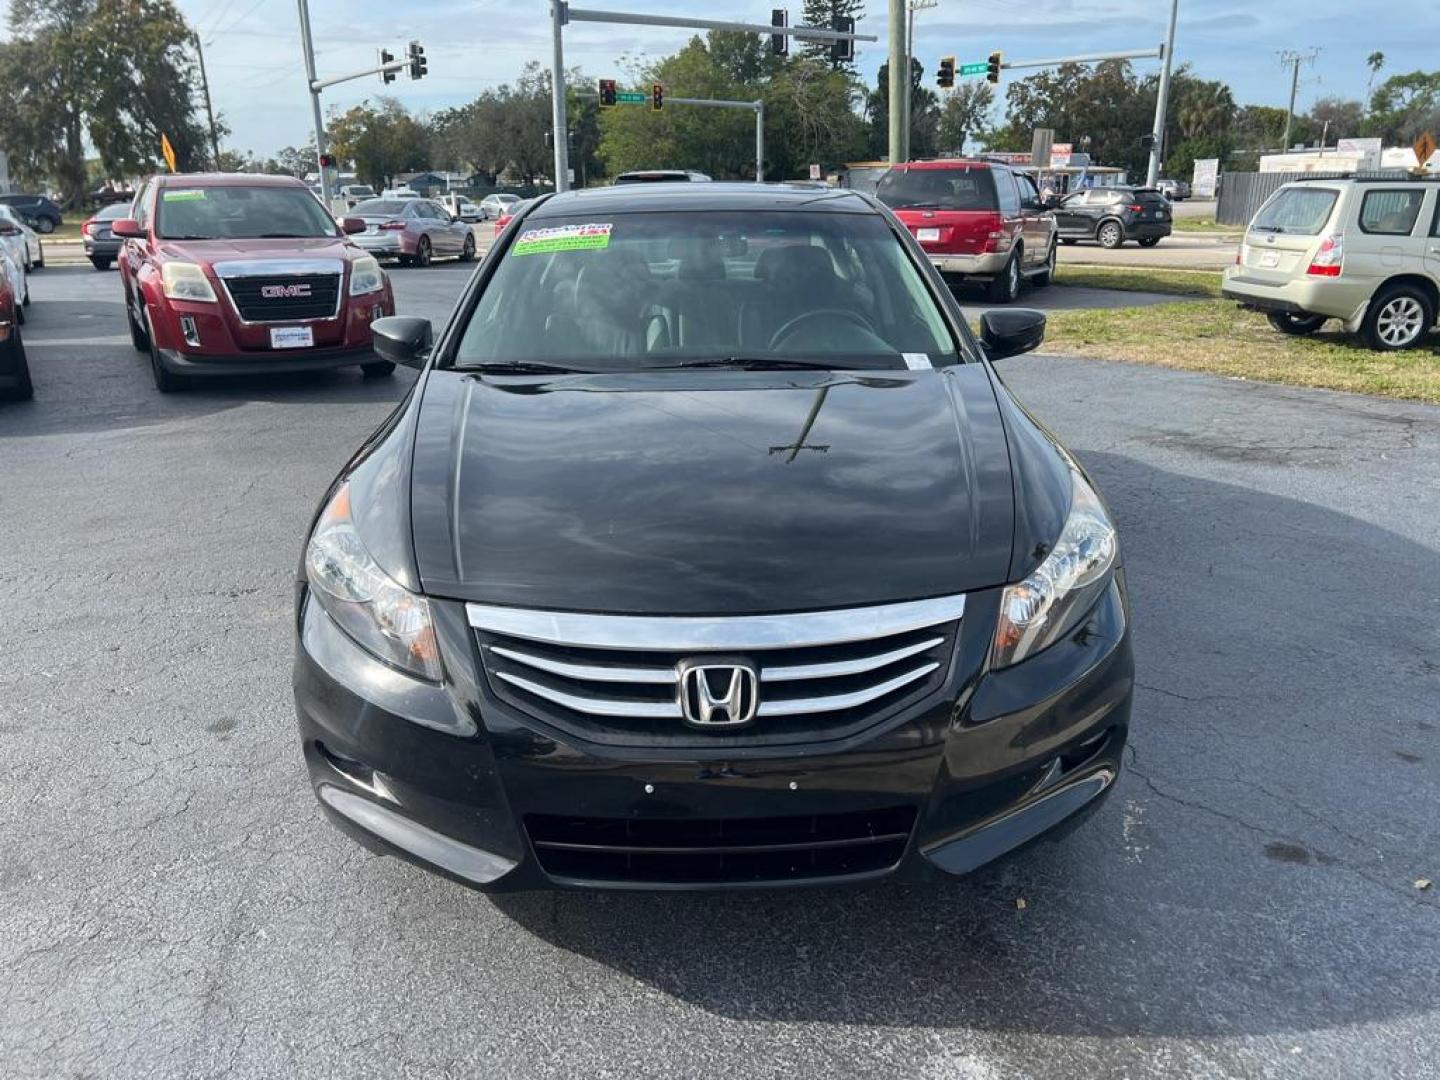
x=709, y=551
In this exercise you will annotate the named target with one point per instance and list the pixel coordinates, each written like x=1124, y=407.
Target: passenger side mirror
x=1007, y=333
x=8, y=228
x=128, y=228
x=352, y=225
x=402, y=339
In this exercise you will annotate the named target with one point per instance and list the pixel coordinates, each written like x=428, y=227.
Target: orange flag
x=167, y=150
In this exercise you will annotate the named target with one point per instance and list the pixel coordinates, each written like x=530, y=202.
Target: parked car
x=399, y=193
x=24, y=244
x=976, y=220
x=1110, y=216
x=101, y=244
x=1174, y=190
x=661, y=176
x=39, y=211
x=14, y=369
x=413, y=231
x=460, y=207
x=245, y=274
x=750, y=572
x=1366, y=252
x=12, y=248
x=493, y=206
x=355, y=193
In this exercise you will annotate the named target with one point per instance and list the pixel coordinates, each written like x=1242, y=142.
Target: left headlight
x=365, y=276
x=1049, y=603
x=382, y=616
x=185, y=281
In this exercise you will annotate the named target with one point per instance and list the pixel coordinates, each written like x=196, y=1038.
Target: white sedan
x=25, y=246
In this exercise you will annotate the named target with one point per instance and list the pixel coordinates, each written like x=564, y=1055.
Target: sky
x=252, y=47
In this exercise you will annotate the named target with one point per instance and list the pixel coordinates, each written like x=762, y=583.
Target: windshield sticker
x=917, y=361
x=183, y=195
x=591, y=237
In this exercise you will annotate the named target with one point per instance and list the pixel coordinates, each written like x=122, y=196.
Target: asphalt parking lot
x=172, y=903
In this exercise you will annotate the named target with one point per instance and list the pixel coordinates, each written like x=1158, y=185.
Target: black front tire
x=1047, y=275
x=1398, y=318
x=377, y=370
x=1110, y=234
x=138, y=337
x=467, y=253
x=1006, y=286
x=99, y=263
x=44, y=226
x=1149, y=241
x=1295, y=325
x=166, y=381
x=422, y=252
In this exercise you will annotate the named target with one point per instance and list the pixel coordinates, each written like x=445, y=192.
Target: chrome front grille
x=615, y=679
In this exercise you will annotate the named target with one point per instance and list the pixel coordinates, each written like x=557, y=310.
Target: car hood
x=270, y=251
x=710, y=492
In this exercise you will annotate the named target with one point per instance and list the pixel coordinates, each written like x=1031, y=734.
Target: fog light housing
x=190, y=330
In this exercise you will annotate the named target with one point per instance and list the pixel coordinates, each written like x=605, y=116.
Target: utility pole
x=205, y=85
x=899, y=81
x=911, y=8
x=308, y=44
x=1294, y=59
x=1162, y=99
x=560, y=132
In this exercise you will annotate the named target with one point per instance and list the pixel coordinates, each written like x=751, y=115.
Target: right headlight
x=1049, y=603
x=185, y=281
x=366, y=276
x=382, y=616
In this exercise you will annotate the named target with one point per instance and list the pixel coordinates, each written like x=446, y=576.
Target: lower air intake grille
x=723, y=851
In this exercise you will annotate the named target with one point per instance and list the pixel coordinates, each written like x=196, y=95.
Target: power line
x=1294, y=60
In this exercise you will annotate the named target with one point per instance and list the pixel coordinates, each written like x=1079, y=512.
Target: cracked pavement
x=172, y=903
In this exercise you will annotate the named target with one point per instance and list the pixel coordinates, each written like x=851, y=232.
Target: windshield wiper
x=758, y=363
x=1269, y=228
x=523, y=367
x=189, y=236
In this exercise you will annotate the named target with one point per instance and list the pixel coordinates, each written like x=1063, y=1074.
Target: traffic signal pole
x=561, y=14
x=1157, y=148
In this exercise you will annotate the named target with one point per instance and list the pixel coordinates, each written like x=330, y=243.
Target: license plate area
x=928, y=235
x=291, y=337
x=1268, y=260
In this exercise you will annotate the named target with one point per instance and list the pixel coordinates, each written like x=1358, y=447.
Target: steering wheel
x=788, y=330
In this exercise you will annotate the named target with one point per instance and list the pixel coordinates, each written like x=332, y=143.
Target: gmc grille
x=321, y=303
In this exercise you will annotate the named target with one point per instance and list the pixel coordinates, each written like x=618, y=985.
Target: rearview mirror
x=402, y=339
x=1009, y=333
x=128, y=228
x=352, y=225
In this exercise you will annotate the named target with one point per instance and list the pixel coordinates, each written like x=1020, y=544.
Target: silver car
x=25, y=246
x=414, y=231
x=497, y=206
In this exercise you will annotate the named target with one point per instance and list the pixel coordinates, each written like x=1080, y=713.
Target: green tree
x=116, y=74
x=1345, y=116
x=1405, y=105
x=1375, y=61
x=1103, y=111
x=822, y=13
x=924, y=114
x=965, y=114
x=381, y=140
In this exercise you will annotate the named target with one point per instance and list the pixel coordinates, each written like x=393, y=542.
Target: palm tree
x=1207, y=109
x=1375, y=61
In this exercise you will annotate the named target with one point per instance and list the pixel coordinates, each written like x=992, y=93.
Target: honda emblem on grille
x=300, y=290
x=718, y=692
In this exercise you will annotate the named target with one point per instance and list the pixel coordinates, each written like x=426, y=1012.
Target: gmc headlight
x=384, y=618
x=185, y=281
x=1049, y=603
x=365, y=276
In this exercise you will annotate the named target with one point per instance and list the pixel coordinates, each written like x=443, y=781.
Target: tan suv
x=1366, y=252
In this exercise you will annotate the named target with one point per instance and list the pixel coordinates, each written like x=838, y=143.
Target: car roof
x=638, y=198
x=949, y=163
x=189, y=180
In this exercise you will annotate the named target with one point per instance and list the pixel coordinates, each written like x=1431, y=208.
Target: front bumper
x=182, y=363
x=986, y=265
x=1335, y=298
x=452, y=778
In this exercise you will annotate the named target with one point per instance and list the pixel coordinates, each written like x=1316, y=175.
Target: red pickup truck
x=976, y=220
x=244, y=274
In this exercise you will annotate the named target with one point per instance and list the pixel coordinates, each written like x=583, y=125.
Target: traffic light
x=657, y=96
x=945, y=77
x=327, y=161
x=386, y=57
x=992, y=70
x=416, y=52
x=779, y=43
x=843, y=51
x=607, y=93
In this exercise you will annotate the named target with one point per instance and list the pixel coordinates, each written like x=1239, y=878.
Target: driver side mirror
x=8, y=228
x=351, y=225
x=128, y=228
x=1012, y=332
x=402, y=339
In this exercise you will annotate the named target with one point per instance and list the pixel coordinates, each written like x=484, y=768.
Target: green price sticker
x=592, y=237
x=185, y=195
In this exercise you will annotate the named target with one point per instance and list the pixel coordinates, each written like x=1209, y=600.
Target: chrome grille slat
x=590, y=672
x=844, y=667
x=617, y=679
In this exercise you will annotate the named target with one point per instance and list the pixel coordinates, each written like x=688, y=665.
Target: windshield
x=240, y=213
x=643, y=290
x=1302, y=211
x=964, y=187
x=380, y=207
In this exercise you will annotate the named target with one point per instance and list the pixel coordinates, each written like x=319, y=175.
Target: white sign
x=1358, y=146
x=814, y=172
x=1060, y=154
x=1206, y=178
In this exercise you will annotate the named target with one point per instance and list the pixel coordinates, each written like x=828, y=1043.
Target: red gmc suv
x=242, y=274
x=976, y=220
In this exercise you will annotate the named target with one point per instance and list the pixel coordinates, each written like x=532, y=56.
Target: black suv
x=1110, y=216
x=709, y=551
x=42, y=213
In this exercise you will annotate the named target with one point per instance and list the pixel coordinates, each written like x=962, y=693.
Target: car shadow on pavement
x=1251, y=874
